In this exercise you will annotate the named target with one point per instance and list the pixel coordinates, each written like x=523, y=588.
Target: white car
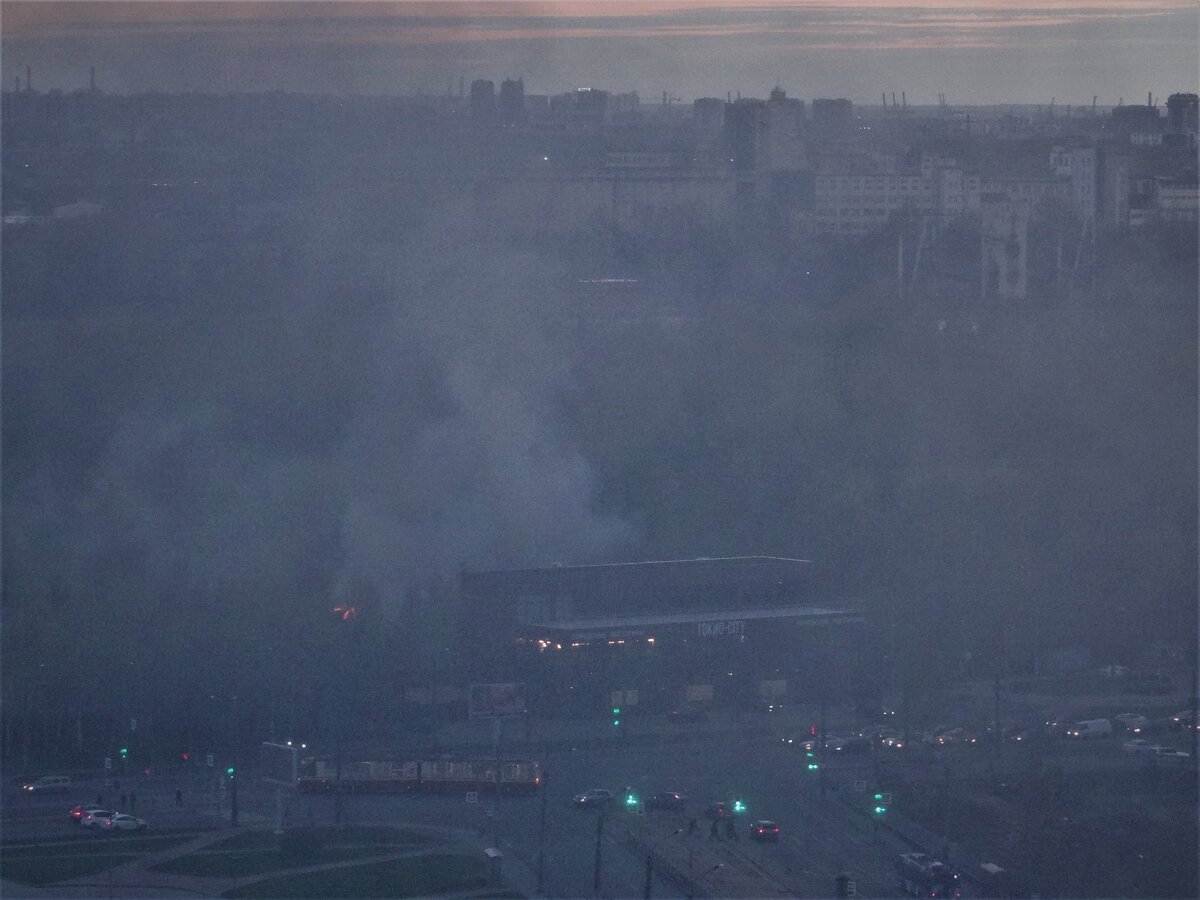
x=1170, y=753
x=1132, y=721
x=122, y=822
x=94, y=815
x=1139, y=747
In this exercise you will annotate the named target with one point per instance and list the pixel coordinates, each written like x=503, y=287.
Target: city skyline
x=1030, y=51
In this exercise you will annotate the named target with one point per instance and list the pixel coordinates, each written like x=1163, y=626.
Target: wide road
x=820, y=838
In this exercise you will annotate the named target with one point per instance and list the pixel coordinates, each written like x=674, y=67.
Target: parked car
x=593, y=797
x=1091, y=728
x=800, y=743
x=852, y=745
x=1028, y=735
x=79, y=812
x=669, y=800
x=122, y=822
x=764, y=830
x=48, y=784
x=94, y=815
x=931, y=736
x=1170, y=753
x=1138, y=747
x=953, y=736
x=1131, y=721
x=1183, y=718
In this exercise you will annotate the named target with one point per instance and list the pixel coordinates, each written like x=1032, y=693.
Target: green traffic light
x=616, y=710
x=880, y=810
x=739, y=806
x=124, y=752
x=631, y=800
x=229, y=771
x=812, y=767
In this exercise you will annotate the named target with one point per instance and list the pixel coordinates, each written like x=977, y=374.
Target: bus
x=923, y=876
x=434, y=775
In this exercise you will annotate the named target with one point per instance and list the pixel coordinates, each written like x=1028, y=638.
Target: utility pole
x=233, y=817
x=646, y=894
x=497, y=730
x=541, y=863
x=821, y=749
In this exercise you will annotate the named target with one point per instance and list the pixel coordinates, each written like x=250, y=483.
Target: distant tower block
x=1004, y=247
x=512, y=101
x=483, y=100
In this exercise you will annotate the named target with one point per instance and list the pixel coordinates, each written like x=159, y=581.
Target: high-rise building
x=512, y=101
x=483, y=100
x=1183, y=113
x=782, y=150
x=745, y=129
x=832, y=115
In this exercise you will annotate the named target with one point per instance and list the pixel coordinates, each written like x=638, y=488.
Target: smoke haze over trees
x=226, y=411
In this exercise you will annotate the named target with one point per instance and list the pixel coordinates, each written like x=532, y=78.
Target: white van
x=48, y=784
x=1091, y=728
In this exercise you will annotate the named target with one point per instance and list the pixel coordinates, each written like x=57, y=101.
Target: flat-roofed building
x=728, y=632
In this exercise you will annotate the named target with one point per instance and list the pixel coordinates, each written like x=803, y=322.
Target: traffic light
x=813, y=765
x=616, y=716
x=124, y=752
x=229, y=771
x=631, y=800
x=882, y=802
x=739, y=806
x=185, y=756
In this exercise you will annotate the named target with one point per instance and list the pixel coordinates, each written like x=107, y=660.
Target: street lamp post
x=599, y=838
x=649, y=887
x=233, y=799
x=541, y=863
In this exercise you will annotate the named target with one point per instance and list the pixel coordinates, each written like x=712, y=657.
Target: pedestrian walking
x=132, y=801
x=178, y=797
x=713, y=833
x=124, y=801
x=730, y=830
x=692, y=826
x=99, y=799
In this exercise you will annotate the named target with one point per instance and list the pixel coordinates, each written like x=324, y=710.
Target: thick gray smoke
x=307, y=435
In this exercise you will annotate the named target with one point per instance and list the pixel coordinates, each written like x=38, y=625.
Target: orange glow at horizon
x=36, y=18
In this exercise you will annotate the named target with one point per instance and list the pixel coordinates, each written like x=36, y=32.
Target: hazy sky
x=974, y=52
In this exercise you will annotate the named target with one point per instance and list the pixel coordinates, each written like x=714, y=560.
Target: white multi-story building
x=862, y=203
x=1177, y=201
x=1082, y=166
x=637, y=201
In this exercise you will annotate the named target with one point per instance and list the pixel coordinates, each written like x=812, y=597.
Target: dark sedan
x=764, y=830
x=669, y=800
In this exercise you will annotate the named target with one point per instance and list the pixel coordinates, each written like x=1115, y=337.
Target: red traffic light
x=185, y=756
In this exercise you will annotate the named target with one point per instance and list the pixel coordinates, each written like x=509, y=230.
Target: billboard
x=495, y=700
x=278, y=764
